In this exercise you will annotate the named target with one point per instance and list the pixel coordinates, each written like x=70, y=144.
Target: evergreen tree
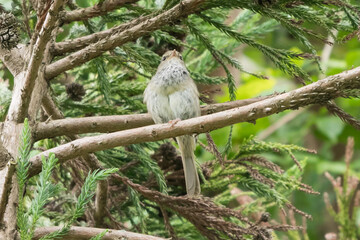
x=77, y=147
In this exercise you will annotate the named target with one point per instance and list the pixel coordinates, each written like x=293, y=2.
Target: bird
x=170, y=96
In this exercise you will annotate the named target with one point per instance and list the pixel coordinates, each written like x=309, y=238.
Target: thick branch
x=97, y=10
x=182, y=9
x=115, y=123
x=85, y=233
x=18, y=109
x=6, y=176
x=314, y=93
x=14, y=58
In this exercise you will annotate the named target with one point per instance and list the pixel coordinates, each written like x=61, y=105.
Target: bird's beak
x=173, y=54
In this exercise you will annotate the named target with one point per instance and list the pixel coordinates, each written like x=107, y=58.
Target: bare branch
x=184, y=8
x=314, y=93
x=9, y=221
x=101, y=202
x=115, y=123
x=97, y=10
x=18, y=109
x=14, y=58
x=6, y=175
x=85, y=233
x=81, y=42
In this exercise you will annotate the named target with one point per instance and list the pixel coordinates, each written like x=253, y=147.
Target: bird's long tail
x=187, y=146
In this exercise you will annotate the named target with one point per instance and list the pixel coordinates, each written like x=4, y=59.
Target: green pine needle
x=100, y=235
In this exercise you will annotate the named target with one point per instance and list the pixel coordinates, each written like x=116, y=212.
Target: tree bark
x=113, y=123
x=85, y=233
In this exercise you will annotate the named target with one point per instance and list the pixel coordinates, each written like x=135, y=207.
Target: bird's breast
x=171, y=78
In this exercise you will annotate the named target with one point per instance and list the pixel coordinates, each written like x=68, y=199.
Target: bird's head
x=171, y=57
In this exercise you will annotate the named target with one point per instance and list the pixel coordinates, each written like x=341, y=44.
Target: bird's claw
x=174, y=121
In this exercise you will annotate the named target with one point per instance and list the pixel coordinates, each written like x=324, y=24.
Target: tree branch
x=72, y=45
x=14, y=59
x=18, y=109
x=184, y=8
x=318, y=92
x=94, y=11
x=101, y=202
x=6, y=176
x=105, y=124
x=85, y=233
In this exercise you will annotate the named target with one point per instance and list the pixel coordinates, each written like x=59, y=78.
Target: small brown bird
x=172, y=95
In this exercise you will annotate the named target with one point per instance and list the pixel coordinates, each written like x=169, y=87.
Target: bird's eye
x=163, y=58
x=180, y=57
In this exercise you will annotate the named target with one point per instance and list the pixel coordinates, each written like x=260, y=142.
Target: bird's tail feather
x=187, y=146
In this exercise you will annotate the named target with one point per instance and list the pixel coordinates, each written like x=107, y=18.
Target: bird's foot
x=174, y=122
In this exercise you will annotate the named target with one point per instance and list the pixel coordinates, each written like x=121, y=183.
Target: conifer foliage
x=78, y=149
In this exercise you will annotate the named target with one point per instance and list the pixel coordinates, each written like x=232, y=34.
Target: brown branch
x=9, y=221
x=52, y=111
x=314, y=93
x=84, y=41
x=85, y=233
x=167, y=223
x=94, y=11
x=14, y=59
x=101, y=202
x=184, y=8
x=115, y=123
x=18, y=109
x=5, y=186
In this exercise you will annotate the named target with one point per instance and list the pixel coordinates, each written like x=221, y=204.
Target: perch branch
x=318, y=92
x=94, y=11
x=84, y=233
x=18, y=109
x=115, y=123
x=182, y=9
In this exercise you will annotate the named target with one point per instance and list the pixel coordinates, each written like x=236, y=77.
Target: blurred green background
x=312, y=127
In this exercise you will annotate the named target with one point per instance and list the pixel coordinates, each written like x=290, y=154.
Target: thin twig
x=97, y=10
x=167, y=223
x=25, y=12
